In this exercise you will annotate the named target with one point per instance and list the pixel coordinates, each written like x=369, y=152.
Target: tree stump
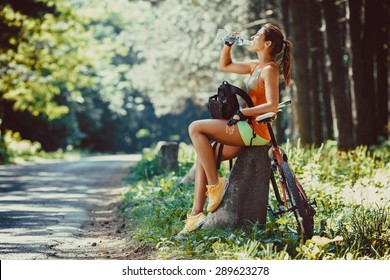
x=190, y=176
x=168, y=155
x=246, y=197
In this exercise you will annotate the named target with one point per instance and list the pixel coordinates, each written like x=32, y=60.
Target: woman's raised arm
x=226, y=64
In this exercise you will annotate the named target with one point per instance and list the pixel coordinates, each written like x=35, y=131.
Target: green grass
x=352, y=221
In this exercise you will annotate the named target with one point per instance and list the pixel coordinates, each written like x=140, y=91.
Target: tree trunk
x=362, y=65
x=326, y=105
x=316, y=45
x=382, y=99
x=338, y=85
x=246, y=197
x=356, y=33
x=284, y=5
x=299, y=31
x=293, y=120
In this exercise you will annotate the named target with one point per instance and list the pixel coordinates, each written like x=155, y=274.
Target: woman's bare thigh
x=216, y=130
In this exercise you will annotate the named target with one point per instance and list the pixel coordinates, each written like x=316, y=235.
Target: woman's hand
x=232, y=36
x=238, y=116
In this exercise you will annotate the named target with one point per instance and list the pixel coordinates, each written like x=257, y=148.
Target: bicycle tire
x=304, y=219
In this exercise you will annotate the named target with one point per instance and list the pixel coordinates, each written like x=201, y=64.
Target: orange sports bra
x=256, y=92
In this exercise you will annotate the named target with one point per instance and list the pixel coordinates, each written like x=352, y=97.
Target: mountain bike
x=294, y=197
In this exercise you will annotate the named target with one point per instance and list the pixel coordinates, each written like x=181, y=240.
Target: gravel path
x=65, y=210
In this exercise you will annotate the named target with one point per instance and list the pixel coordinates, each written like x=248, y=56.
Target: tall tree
x=18, y=18
x=299, y=31
x=342, y=104
x=382, y=29
x=316, y=53
x=362, y=47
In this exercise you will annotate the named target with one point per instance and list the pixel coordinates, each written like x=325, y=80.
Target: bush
x=15, y=148
x=368, y=229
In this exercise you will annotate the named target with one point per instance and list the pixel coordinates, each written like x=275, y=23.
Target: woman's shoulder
x=270, y=72
x=270, y=67
x=253, y=64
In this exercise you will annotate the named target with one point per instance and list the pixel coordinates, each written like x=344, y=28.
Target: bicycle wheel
x=299, y=205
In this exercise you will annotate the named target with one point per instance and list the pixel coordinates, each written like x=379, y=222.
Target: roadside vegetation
x=352, y=191
x=19, y=151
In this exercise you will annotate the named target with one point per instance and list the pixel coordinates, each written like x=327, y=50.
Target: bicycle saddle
x=267, y=117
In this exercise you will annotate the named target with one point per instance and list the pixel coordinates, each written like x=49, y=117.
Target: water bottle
x=224, y=36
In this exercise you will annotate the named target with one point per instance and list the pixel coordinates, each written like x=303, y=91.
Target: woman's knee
x=194, y=128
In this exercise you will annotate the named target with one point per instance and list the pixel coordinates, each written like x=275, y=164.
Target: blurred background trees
x=117, y=76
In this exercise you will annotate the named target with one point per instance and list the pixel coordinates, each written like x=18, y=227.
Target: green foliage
x=18, y=150
x=70, y=71
x=177, y=42
x=368, y=229
x=45, y=55
x=67, y=77
x=98, y=74
x=351, y=221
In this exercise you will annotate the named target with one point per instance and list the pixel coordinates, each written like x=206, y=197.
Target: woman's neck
x=264, y=58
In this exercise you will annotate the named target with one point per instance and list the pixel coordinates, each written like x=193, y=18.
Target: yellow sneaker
x=193, y=222
x=215, y=194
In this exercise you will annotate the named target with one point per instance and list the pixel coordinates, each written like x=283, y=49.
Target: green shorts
x=246, y=133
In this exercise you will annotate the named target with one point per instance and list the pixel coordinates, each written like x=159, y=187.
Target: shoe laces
x=210, y=191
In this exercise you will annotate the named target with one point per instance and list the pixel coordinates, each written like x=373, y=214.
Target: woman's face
x=258, y=42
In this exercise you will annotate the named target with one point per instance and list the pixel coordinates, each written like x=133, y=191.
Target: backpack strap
x=253, y=132
x=248, y=101
x=240, y=92
x=219, y=156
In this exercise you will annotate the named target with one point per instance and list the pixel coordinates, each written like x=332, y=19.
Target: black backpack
x=223, y=105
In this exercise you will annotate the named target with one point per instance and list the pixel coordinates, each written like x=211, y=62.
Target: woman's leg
x=199, y=189
x=228, y=152
x=200, y=133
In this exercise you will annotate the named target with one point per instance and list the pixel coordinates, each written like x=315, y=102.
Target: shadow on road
x=44, y=205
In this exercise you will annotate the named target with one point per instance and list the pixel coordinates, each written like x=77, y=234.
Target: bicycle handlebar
x=284, y=104
x=266, y=117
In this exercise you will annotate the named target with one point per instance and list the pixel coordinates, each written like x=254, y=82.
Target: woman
x=263, y=89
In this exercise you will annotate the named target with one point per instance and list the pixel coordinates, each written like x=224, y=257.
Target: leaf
x=322, y=241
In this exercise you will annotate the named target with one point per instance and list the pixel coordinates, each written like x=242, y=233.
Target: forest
x=118, y=76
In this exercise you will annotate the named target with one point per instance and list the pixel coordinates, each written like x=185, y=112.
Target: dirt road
x=65, y=210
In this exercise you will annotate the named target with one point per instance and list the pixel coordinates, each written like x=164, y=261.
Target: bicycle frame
x=278, y=158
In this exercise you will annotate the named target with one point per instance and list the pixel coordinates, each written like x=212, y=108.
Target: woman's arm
x=226, y=64
x=270, y=76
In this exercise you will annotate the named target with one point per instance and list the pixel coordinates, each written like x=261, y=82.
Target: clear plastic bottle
x=223, y=35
